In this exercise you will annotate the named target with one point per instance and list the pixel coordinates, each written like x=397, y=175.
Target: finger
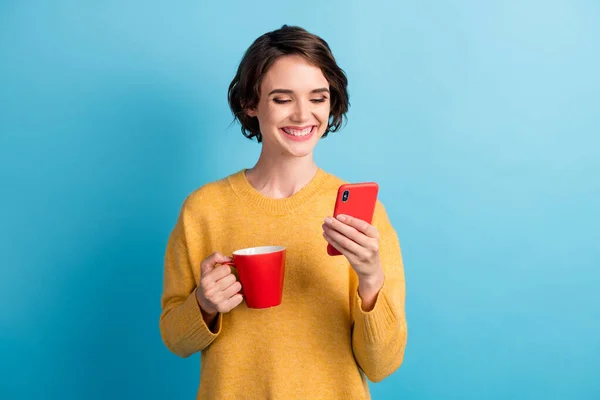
x=346, y=230
x=342, y=243
x=359, y=225
x=216, y=274
x=219, y=292
x=232, y=302
x=209, y=263
x=232, y=289
x=338, y=247
x=226, y=282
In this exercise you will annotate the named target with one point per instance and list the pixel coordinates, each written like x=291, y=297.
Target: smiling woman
x=302, y=47
x=340, y=320
x=293, y=119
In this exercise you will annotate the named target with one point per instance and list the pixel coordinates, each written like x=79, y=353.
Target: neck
x=281, y=177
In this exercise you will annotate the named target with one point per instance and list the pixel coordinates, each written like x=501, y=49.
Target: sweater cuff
x=378, y=323
x=198, y=332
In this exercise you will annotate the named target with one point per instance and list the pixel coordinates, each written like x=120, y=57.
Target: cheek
x=273, y=115
x=323, y=113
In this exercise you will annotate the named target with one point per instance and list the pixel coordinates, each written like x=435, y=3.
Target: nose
x=301, y=111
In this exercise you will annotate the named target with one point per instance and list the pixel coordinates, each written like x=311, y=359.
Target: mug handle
x=237, y=277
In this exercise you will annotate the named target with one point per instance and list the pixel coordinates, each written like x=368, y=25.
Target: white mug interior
x=252, y=251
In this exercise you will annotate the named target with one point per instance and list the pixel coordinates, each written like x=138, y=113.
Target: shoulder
x=208, y=196
x=380, y=216
x=332, y=182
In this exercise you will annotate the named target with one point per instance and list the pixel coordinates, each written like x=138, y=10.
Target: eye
x=321, y=100
x=280, y=101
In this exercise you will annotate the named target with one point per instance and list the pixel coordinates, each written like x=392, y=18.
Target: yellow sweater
x=319, y=343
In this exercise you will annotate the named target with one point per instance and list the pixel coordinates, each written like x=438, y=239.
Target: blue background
x=479, y=121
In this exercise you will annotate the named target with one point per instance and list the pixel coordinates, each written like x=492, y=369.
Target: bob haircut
x=244, y=90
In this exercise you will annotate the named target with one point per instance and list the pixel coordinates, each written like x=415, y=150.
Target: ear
x=251, y=112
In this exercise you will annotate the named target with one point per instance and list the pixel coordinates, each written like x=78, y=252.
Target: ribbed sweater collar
x=267, y=205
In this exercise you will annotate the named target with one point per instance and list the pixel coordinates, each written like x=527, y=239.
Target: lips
x=300, y=133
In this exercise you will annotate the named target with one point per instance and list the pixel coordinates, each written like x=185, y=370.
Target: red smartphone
x=357, y=200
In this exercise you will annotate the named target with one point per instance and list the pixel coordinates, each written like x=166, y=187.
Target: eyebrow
x=288, y=91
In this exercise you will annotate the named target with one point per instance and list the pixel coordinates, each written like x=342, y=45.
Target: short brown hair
x=244, y=90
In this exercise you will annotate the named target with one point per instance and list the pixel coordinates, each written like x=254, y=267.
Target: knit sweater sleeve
x=379, y=336
x=182, y=327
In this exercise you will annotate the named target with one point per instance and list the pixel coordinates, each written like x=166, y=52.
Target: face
x=294, y=107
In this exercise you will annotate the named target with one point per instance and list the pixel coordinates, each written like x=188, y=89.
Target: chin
x=301, y=149
x=300, y=153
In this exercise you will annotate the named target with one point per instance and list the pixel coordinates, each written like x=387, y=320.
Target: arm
x=379, y=333
x=182, y=326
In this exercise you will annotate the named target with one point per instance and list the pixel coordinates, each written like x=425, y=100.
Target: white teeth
x=295, y=132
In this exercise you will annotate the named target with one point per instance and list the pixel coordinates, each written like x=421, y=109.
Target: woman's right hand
x=219, y=289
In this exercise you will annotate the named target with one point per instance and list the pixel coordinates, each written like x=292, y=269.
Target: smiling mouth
x=299, y=132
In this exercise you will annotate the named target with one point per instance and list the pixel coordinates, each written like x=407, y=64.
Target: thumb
x=209, y=262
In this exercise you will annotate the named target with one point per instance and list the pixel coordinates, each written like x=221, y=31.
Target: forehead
x=295, y=73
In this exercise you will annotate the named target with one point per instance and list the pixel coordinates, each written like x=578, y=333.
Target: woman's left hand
x=358, y=241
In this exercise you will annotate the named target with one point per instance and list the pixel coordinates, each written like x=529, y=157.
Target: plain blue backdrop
x=480, y=121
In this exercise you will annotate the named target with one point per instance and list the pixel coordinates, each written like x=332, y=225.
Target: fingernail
x=341, y=218
x=328, y=220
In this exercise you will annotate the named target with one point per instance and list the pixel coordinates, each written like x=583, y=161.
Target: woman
x=341, y=319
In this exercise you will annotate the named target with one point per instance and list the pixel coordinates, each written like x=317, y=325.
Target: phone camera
x=345, y=195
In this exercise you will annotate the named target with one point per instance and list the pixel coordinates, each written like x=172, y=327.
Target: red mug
x=260, y=270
